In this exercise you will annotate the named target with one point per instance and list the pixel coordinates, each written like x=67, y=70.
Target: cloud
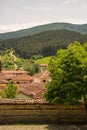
x=67, y=2
x=15, y=16
x=12, y=27
x=15, y=27
x=37, y=8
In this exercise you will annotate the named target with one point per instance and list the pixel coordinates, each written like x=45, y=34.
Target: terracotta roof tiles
x=33, y=89
x=13, y=72
x=22, y=77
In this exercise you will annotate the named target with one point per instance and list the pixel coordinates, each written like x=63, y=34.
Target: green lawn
x=44, y=60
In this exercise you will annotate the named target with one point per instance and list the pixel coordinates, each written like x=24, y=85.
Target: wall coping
x=23, y=101
x=32, y=101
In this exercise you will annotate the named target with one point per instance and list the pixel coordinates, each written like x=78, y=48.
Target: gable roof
x=44, y=74
x=33, y=89
x=14, y=72
x=9, y=76
x=22, y=77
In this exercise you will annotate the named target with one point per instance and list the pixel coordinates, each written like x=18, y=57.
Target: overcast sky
x=20, y=14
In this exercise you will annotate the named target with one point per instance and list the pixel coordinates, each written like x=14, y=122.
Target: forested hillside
x=45, y=43
x=47, y=27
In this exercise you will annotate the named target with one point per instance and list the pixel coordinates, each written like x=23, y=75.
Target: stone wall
x=39, y=111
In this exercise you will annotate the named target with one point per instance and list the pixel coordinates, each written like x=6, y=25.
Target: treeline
x=45, y=43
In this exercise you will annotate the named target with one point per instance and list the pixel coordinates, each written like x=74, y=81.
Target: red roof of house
x=39, y=95
x=33, y=89
x=22, y=77
x=38, y=75
x=2, y=76
x=44, y=74
x=9, y=76
x=13, y=72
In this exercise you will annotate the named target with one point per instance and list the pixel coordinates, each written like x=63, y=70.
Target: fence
x=39, y=111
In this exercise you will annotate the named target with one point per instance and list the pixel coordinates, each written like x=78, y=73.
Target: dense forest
x=45, y=43
x=81, y=28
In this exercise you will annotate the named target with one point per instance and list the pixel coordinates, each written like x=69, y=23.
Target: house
x=28, y=87
x=43, y=77
x=37, y=78
x=15, y=72
x=7, y=75
x=10, y=74
x=22, y=79
x=31, y=91
x=43, y=67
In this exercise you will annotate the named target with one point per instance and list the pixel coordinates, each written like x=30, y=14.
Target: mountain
x=44, y=43
x=53, y=26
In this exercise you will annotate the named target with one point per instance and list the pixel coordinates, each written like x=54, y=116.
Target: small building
x=10, y=74
x=22, y=79
x=31, y=91
x=43, y=67
x=43, y=77
x=13, y=72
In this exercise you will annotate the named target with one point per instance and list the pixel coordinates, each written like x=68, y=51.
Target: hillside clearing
x=44, y=60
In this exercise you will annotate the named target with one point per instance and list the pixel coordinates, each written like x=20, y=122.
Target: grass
x=44, y=60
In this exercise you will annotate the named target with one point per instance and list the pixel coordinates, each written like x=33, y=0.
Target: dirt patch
x=43, y=127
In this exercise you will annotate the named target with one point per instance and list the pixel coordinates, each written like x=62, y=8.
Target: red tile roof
x=13, y=72
x=33, y=89
x=44, y=74
x=22, y=77
x=9, y=76
x=39, y=95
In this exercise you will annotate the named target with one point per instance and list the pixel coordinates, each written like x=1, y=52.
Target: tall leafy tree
x=31, y=67
x=69, y=76
x=11, y=90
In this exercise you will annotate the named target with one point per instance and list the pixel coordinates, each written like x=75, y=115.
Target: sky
x=22, y=14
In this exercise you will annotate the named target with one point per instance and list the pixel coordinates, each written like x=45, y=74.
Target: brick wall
x=39, y=111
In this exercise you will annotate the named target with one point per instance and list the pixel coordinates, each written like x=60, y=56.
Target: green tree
x=1, y=94
x=11, y=90
x=7, y=60
x=69, y=76
x=31, y=67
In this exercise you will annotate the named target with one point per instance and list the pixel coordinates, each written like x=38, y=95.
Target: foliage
x=7, y=60
x=11, y=90
x=45, y=43
x=1, y=94
x=35, y=57
x=69, y=75
x=31, y=67
x=53, y=26
x=44, y=60
x=10, y=61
